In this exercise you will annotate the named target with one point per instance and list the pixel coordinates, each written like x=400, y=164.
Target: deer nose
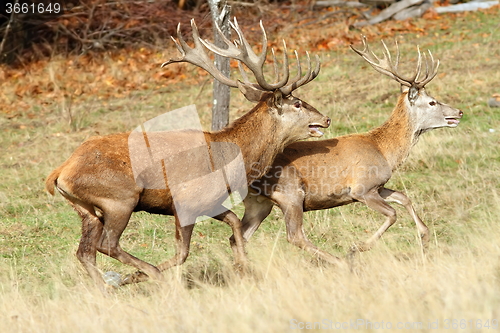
x=460, y=113
x=328, y=121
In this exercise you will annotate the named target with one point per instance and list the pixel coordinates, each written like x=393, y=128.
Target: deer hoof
x=240, y=268
x=134, y=278
x=359, y=247
x=112, y=279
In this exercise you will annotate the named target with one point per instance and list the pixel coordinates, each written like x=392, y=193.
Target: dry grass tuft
x=451, y=175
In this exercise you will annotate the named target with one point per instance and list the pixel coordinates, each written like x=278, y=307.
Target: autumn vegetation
x=50, y=102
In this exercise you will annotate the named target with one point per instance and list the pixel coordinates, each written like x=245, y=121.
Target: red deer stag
x=353, y=168
x=98, y=179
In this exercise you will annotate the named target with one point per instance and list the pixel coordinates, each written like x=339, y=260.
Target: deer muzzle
x=454, y=120
x=314, y=129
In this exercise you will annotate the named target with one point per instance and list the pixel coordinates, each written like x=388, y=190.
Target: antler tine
x=232, y=50
x=197, y=56
x=387, y=62
x=300, y=80
x=397, y=55
x=316, y=70
x=275, y=63
x=393, y=67
x=380, y=65
x=388, y=67
x=243, y=73
x=294, y=83
x=245, y=55
x=286, y=68
x=430, y=70
x=427, y=72
x=419, y=67
x=434, y=72
x=427, y=69
x=180, y=46
x=299, y=68
x=256, y=63
x=387, y=57
x=283, y=84
x=246, y=50
x=242, y=51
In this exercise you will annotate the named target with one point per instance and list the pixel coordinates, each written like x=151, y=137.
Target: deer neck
x=257, y=134
x=397, y=135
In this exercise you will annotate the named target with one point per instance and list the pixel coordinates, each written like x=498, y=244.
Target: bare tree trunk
x=9, y=55
x=220, y=109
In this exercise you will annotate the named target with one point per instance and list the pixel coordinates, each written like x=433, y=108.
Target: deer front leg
x=183, y=240
x=257, y=208
x=237, y=242
x=400, y=198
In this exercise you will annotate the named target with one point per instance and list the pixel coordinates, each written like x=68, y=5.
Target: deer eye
x=432, y=103
x=297, y=104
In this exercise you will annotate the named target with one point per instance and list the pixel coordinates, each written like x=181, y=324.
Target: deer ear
x=277, y=101
x=252, y=92
x=412, y=94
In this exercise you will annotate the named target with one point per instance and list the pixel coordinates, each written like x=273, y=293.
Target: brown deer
x=99, y=182
x=353, y=168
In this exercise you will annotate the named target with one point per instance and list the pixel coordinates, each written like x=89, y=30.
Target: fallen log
x=389, y=12
x=465, y=7
x=339, y=3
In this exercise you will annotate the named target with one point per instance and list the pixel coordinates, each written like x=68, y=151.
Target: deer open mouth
x=452, y=120
x=314, y=130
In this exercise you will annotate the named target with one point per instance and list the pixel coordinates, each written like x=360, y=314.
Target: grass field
x=451, y=176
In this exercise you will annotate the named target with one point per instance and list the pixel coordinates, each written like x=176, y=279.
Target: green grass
x=451, y=176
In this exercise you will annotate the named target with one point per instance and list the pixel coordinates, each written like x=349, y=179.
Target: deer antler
x=387, y=67
x=242, y=51
x=197, y=56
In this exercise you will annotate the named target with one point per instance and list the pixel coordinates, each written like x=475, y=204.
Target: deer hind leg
x=115, y=222
x=402, y=199
x=292, y=208
x=91, y=232
x=373, y=200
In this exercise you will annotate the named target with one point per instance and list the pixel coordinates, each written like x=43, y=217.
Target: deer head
x=276, y=96
x=426, y=112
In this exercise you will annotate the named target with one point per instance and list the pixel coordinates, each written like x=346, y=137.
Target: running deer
x=353, y=168
x=98, y=179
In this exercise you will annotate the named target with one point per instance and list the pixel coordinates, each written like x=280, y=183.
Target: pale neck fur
x=397, y=135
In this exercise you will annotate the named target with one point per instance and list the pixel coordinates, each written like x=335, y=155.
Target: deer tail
x=51, y=180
